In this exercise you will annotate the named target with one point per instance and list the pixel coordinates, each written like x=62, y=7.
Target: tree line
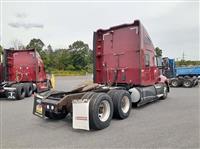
x=187, y=63
x=76, y=57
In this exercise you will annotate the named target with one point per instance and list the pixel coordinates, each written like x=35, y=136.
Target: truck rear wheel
x=20, y=91
x=175, y=83
x=28, y=89
x=88, y=95
x=196, y=82
x=122, y=103
x=187, y=83
x=100, y=111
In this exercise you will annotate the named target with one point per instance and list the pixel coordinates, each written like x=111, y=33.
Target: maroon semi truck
x=22, y=72
x=125, y=73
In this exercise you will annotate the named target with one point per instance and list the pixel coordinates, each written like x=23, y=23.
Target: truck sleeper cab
x=125, y=73
x=22, y=74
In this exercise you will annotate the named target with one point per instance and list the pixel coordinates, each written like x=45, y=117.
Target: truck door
x=147, y=70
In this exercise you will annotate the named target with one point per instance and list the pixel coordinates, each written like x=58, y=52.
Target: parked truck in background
x=125, y=73
x=180, y=76
x=22, y=72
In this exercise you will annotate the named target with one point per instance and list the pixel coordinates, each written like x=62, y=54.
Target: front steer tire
x=122, y=103
x=165, y=92
x=100, y=111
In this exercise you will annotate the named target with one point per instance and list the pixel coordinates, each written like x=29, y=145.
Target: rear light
x=52, y=107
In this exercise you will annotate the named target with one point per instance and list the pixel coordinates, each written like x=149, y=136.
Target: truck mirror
x=159, y=61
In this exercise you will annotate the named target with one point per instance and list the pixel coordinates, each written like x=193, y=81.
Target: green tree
x=49, y=49
x=80, y=55
x=158, y=51
x=62, y=59
x=78, y=45
x=36, y=44
x=187, y=63
x=1, y=49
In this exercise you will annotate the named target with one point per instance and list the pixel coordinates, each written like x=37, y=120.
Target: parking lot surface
x=170, y=123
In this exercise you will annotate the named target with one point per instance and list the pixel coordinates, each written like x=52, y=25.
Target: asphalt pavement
x=170, y=123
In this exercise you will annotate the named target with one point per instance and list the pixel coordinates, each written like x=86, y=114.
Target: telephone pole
x=183, y=56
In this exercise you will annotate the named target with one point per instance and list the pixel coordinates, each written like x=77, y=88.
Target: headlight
x=47, y=106
x=52, y=107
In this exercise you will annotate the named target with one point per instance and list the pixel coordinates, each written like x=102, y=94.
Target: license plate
x=39, y=109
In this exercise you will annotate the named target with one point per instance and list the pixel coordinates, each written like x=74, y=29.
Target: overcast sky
x=173, y=26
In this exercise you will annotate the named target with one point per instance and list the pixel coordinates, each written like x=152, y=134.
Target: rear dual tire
x=20, y=91
x=100, y=110
x=28, y=89
x=122, y=103
x=23, y=90
x=175, y=83
x=187, y=83
x=102, y=106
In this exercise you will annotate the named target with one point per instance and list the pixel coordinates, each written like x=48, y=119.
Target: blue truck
x=180, y=76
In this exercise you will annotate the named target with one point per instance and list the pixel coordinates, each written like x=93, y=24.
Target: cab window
x=147, y=60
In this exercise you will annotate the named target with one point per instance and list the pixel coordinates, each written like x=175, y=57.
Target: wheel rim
x=125, y=104
x=187, y=83
x=104, y=110
x=175, y=83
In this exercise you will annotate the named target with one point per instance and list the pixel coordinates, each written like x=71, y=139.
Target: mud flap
x=81, y=114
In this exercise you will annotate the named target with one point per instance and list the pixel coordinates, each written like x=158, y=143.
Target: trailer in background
x=22, y=73
x=188, y=71
x=125, y=73
x=180, y=76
